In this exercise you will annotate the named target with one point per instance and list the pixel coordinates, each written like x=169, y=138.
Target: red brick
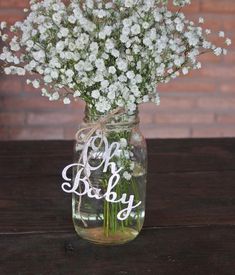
x=210, y=58
x=226, y=118
x=69, y=132
x=216, y=103
x=230, y=57
x=11, y=15
x=228, y=87
x=14, y=3
x=215, y=131
x=54, y=118
x=36, y=133
x=28, y=88
x=194, y=7
x=188, y=85
x=10, y=85
x=147, y=112
x=177, y=103
x=30, y=103
x=146, y=117
x=165, y=132
x=218, y=72
x=78, y=105
x=185, y=118
x=229, y=23
x=218, y=6
x=11, y=119
x=148, y=107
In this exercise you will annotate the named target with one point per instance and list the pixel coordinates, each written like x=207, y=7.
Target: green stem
x=119, y=206
x=111, y=224
x=107, y=219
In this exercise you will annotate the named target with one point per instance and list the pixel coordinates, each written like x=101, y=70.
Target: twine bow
x=100, y=124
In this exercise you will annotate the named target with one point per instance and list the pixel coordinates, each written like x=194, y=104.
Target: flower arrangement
x=112, y=55
x=108, y=53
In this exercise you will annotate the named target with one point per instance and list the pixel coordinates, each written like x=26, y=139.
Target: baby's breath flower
x=228, y=41
x=66, y=100
x=76, y=94
x=95, y=94
x=218, y=51
x=7, y=70
x=3, y=25
x=129, y=3
x=55, y=96
x=201, y=20
x=127, y=175
x=109, y=54
x=221, y=34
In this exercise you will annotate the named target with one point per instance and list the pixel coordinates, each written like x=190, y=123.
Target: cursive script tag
x=84, y=169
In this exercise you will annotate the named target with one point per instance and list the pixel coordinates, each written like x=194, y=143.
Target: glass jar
x=109, y=207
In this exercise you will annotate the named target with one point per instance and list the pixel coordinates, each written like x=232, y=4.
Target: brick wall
x=199, y=105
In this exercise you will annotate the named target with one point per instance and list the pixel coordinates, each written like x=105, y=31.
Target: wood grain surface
x=190, y=212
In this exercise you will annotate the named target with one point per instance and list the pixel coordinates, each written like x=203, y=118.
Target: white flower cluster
x=109, y=53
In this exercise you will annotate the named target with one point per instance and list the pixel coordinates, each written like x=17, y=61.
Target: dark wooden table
x=189, y=227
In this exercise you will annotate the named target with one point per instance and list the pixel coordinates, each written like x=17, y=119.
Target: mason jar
x=109, y=206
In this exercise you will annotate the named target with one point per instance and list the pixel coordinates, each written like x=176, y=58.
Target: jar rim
x=123, y=119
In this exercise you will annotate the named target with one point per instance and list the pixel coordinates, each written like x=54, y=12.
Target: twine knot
x=86, y=132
